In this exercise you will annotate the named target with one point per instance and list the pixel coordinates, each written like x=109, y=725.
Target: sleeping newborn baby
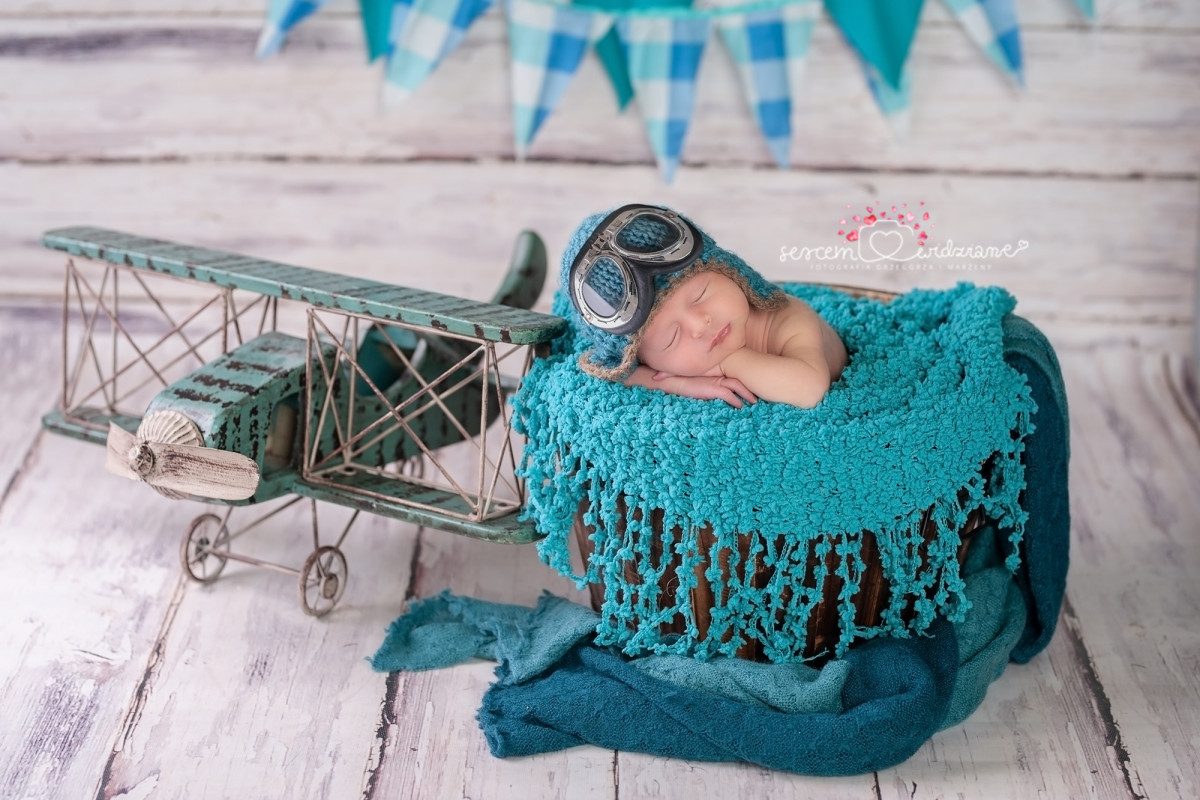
x=666, y=308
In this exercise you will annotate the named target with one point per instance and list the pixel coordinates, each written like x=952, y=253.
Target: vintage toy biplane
x=355, y=410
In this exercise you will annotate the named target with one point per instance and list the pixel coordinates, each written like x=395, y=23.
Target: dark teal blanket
x=869, y=710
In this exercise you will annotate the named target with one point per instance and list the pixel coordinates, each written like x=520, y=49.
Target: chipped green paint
x=506, y=529
x=233, y=401
x=89, y=424
x=488, y=321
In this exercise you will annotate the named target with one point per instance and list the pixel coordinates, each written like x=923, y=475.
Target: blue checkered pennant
x=282, y=16
x=428, y=31
x=547, y=43
x=400, y=9
x=1088, y=7
x=663, y=54
x=992, y=24
x=769, y=48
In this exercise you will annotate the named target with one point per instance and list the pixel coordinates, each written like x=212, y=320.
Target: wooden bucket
x=870, y=601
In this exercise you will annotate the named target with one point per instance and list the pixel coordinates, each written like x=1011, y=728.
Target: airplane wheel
x=322, y=580
x=203, y=542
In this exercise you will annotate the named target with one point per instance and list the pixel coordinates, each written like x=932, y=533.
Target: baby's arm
x=705, y=387
x=800, y=378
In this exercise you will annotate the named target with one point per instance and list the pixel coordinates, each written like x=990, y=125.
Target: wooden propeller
x=180, y=469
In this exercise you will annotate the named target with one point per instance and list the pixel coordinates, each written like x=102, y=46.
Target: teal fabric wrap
x=556, y=689
x=448, y=629
x=926, y=399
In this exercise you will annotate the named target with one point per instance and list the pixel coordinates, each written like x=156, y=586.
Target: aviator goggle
x=612, y=278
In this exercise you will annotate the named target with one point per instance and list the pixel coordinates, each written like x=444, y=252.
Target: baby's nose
x=700, y=324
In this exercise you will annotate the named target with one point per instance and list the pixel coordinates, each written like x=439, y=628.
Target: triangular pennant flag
x=430, y=31
x=282, y=16
x=881, y=33
x=547, y=42
x=612, y=58
x=1088, y=7
x=399, y=16
x=992, y=24
x=769, y=47
x=377, y=23
x=895, y=103
x=608, y=48
x=663, y=54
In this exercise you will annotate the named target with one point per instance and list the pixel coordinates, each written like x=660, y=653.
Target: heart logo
x=886, y=243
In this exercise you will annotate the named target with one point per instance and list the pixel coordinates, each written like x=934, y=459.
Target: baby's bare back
x=798, y=319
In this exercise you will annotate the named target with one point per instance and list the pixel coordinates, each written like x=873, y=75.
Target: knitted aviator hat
x=614, y=356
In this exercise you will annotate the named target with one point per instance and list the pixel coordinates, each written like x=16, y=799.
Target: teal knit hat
x=614, y=356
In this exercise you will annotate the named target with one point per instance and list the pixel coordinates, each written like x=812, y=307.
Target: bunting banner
x=894, y=102
x=651, y=51
x=377, y=25
x=663, y=55
x=282, y=16
x=429, y=31
x=769, y=49
x=1088, y=7
x=609, y=49
x=881, y=33
x=547, y=43
x=992, y=24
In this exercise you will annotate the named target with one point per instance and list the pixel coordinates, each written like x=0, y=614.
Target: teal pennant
x=881, y=33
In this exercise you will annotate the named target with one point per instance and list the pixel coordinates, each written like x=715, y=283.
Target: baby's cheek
x=666, y=362
x=690, y=363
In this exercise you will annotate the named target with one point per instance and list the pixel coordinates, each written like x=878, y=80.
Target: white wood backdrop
x=119, y=679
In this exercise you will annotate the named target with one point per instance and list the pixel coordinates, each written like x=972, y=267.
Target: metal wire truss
x=447, y=389
x=121, y=341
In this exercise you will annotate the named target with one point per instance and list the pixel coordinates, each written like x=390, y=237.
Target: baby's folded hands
x=706, y=387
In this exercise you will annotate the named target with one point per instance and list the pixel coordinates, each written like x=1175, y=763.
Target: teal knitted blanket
x=924, y=402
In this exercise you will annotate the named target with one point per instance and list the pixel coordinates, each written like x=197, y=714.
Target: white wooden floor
x=120, y=679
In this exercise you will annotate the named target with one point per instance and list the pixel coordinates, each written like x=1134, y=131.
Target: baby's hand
x=715, y=387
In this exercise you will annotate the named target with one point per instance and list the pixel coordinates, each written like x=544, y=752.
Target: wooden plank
x=1038, y=731
x=433, y=745
x=1133, y=599
x=1099, y=102
x=29, y=358
x=647, y=776
x=84, y=608
x=254, y=698
x=1102, y=250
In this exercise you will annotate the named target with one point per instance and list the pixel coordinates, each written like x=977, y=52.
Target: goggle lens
x=648, y=233
x=604, y=287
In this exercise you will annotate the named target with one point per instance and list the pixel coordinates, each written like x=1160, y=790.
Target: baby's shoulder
x=795, y=325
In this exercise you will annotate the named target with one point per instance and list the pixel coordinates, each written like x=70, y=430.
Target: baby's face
x=699, y=323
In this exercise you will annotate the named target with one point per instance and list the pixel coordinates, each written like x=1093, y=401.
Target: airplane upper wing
x=315, y=287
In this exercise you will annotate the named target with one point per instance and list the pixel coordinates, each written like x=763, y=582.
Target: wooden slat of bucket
x=581, y=533
x=822, y=631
